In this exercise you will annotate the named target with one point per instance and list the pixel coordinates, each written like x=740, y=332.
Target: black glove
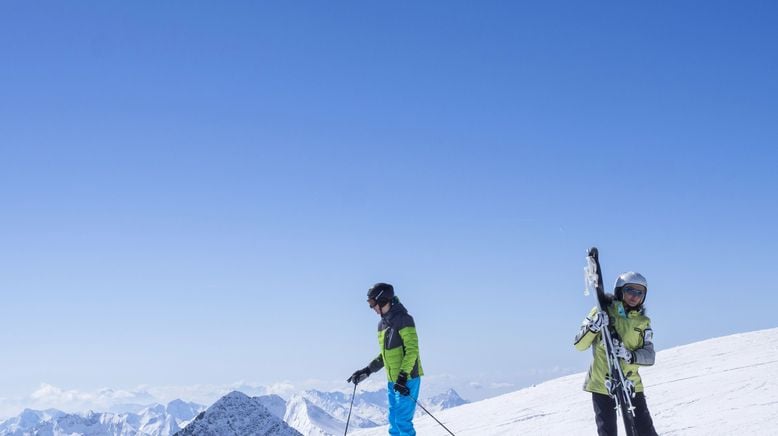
x=400, y=386
x=359, y=375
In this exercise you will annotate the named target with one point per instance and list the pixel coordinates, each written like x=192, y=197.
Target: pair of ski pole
x=414, y=398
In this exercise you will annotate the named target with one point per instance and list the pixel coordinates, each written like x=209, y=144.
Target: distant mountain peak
x=237, y=414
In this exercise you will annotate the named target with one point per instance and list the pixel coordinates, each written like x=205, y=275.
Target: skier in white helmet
x=626, y=316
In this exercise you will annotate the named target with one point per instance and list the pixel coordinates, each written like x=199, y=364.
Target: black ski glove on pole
x=359, y=375
x=400, y=386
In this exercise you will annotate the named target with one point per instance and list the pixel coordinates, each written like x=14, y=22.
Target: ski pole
x=433, y=417
x=349, y=409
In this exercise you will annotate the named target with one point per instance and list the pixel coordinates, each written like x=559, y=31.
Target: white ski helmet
x=629, y=277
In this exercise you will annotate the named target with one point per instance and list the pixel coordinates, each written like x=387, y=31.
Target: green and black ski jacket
x=398, y=343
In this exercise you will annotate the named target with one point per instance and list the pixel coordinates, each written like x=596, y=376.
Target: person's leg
x=643, y=421
x=404, y=408
x=605, y=414
x=393, y=409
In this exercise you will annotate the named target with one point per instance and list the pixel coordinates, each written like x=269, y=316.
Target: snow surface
x=274, y=404
x=442, y=401
x=310, y=419
x=722, y=386
x=336, y=404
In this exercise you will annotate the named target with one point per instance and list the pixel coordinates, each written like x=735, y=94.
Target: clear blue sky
x=202, y=192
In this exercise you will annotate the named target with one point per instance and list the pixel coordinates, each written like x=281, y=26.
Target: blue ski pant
x=401, y=408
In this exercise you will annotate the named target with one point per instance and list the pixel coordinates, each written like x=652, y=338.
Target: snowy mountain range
x=156, y=420
x=310, y=412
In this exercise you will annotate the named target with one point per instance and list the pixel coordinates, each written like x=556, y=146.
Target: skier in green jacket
x=399, y=355
x=627, y=316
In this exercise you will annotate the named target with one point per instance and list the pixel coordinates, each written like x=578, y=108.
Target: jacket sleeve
x=411, y=344
x=585, y=337
x=376, y=364
x=645, y=355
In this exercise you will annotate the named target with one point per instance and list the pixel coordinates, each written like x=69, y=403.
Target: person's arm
x=645, y=355
x=411, y=344
x=590, y=330
x=376, y=363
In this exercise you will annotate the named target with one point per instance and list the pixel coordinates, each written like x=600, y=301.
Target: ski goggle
x=372, y=301
x=635, y=292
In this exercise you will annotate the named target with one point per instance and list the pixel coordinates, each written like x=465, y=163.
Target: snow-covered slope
x=183, y=411
x=442, y=401
x=153, y=420
x=722, y=386
x=237, y=414
x=370, y=405
x=273, y=403
x=336, y=404
x=311, y=420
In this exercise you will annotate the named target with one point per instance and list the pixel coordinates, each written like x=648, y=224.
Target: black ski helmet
x=381, y=293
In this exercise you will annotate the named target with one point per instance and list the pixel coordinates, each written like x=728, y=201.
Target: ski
x=618, y=386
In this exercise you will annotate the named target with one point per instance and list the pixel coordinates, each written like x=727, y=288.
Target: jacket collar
x=396, y=310
x=624, y=312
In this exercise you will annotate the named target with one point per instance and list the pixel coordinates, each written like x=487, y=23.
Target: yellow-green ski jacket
x=634, y=329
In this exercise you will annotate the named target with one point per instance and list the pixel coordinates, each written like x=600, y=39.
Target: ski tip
x=593, y=252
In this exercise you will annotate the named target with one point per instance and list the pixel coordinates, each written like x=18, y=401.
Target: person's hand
x=359, y=375
x=400, y=384
x=621, y=351
x=598, y=321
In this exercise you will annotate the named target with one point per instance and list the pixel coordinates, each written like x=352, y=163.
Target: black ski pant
x=605, y=415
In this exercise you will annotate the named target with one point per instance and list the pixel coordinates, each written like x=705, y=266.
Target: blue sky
x=203, y=192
